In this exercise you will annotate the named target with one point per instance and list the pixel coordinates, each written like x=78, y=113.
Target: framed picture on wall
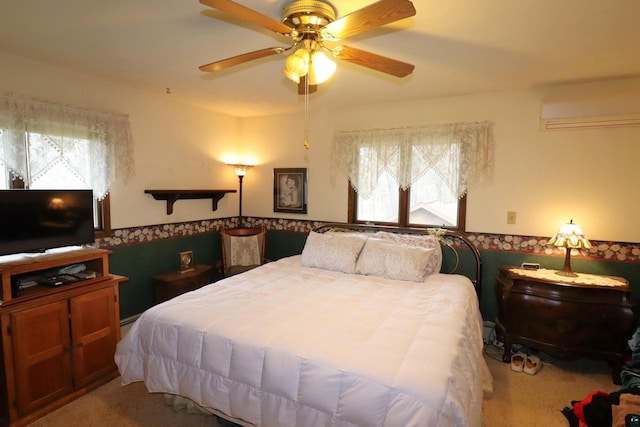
x=290, y=190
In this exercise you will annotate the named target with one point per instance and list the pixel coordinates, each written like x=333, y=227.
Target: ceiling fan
x=311, y=23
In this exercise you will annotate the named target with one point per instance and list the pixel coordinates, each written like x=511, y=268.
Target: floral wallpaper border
x=601, y=250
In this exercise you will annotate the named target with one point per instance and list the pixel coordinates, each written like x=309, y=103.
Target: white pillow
x=418, y=240
x=393, y=261
x=335, y=251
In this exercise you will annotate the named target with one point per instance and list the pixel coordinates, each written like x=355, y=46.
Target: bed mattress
x=286, y=345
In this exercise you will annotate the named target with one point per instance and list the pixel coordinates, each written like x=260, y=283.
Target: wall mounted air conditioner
x=590, y=114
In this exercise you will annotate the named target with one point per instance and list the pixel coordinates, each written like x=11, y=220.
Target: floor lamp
x=241, y=171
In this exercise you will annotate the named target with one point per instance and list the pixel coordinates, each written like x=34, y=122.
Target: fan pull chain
x=306, y=112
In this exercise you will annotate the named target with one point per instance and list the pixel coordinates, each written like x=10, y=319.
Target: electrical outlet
x=511, y=217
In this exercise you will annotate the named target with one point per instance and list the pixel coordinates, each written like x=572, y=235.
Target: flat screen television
x=37, y=220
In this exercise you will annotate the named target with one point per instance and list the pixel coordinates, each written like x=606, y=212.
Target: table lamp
x=569, y=236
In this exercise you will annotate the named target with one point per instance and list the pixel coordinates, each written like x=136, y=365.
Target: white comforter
x=285, y=345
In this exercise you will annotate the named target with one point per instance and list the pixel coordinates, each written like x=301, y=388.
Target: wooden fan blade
x=373, y=61
x=247, y=14
x=240, y=59
x=375, y=15
x=312, y=88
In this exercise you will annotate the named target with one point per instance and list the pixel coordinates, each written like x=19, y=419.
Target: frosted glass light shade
x=321, y=68
x=241, y=170
x=296, y=65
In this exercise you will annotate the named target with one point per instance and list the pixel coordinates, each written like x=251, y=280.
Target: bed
x=360, y=329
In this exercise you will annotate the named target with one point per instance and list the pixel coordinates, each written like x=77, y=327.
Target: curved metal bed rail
x=439, y=233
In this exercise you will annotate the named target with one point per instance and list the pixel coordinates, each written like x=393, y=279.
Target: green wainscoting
x=140, y=262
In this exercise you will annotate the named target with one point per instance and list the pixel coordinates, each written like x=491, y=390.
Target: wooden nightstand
x=567, y=317
x=169, y=285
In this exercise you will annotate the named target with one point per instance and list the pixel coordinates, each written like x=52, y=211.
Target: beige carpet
x=115, y=406
x=518, y=399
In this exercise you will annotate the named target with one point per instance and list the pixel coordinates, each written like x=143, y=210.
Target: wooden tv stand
x=57, y=342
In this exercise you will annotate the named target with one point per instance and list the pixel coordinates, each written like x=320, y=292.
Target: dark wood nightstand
x=566, y=317
x=169, y=285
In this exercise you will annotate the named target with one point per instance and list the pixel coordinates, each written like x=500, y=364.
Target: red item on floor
x=594, y=410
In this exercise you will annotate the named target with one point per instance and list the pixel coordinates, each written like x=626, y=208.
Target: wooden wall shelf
x=172, y=195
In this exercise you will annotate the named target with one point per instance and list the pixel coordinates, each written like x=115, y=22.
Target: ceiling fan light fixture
x=310, y=23
x=296, y=65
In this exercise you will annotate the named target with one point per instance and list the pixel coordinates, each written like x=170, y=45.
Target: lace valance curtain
x=93, y=146
x=461, y=153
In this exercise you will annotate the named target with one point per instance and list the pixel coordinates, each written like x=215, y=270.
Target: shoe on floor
x=518, y=361
x=532, y=365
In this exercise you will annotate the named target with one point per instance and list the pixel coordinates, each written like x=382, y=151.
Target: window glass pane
x=382, y=206
x=432, y=203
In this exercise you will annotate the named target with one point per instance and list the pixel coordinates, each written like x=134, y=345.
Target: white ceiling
x=457, y=46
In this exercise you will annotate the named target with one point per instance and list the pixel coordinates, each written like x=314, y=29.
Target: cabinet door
x=42, y=355
x=94, y=330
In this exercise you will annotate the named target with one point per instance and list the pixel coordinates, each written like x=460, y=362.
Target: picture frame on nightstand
x=186, y=261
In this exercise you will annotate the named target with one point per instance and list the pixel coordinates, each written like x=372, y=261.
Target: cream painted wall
x=176, y=146
x=277, y=142
x=547, y=177
x=590, y=176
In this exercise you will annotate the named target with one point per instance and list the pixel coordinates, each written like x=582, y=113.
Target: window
x=49, y=146
x=424, y=204
x=414, y=177
x=428, y=202
x=48, y=170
